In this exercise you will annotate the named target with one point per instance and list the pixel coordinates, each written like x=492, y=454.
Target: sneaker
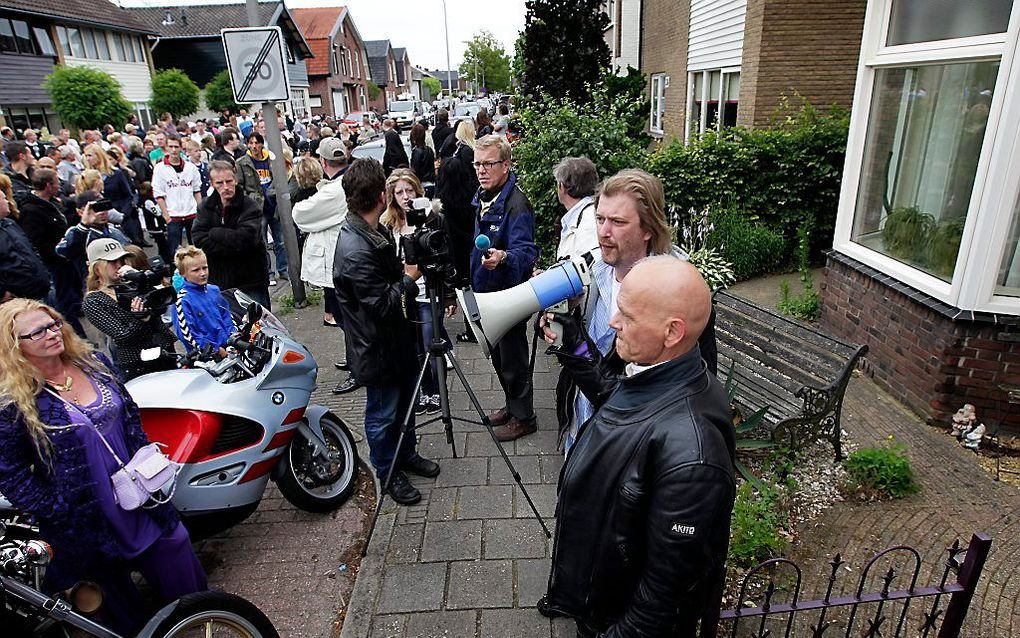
x=514, y=429
x=434, y=404
x=499, y=417
x=449, y=364
x=402, y=491
x=342, y=365
x=421, y=466
x=350, y=384
x=422, y=406
x=272, y=281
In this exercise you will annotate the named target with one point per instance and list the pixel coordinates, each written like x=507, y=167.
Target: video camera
x=147, y=284
x=428, y=247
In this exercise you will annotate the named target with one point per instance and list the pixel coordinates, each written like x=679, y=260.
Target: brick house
x=714, y=63
x=925, y=266
x=403, y=68
x=383, y=68
x=338, y=74
x=37, y=35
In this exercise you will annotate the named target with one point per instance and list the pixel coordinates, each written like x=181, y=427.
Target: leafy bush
x=760, y=524
x=173, y=92
x=554, y=129
x=751, y=248
x=781, y=173
x=219, y=95
x=85, y=97
x=880, y=472
x=804, y=306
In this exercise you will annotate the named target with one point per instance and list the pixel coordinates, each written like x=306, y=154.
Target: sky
x=415, y=24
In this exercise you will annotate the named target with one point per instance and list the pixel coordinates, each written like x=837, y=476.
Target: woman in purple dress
x=60, y=407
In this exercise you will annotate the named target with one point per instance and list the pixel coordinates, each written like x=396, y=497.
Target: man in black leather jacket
x=646, y=493
x=376, y=292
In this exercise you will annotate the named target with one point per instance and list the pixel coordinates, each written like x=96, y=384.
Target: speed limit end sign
x=257, y=63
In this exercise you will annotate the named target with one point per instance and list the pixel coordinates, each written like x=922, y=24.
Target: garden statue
x=964, y=420
x=972, y=439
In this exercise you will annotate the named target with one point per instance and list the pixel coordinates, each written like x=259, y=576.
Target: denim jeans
x=385, y=409
x=430, y=384
x=175, y=230
x=271, y=222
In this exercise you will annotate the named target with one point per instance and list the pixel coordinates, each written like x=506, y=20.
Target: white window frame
x=997, y=178
x=703, y=76
x=657, y=97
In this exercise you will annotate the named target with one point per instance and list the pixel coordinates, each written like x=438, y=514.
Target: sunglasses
x=37, y=334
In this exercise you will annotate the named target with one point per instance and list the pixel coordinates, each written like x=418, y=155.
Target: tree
x=84, y=97
x=486, y=63
x=517, y=63
x=433, y=86
x=563, y=49
x=219, y=95
x=173, y=92
x=632, y=87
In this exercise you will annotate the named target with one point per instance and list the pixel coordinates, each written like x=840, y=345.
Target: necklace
x=65, y=387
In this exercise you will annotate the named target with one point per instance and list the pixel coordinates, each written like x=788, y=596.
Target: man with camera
x=228, y=228
x=94, y=212
x=376, y=294
x=646, y=494
x=505, y=216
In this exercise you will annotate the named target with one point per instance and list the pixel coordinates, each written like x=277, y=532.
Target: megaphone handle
x=556, y=328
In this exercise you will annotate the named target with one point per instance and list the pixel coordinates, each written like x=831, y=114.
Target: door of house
x=339, y=104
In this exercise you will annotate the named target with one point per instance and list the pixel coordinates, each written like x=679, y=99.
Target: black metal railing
x=872, y=613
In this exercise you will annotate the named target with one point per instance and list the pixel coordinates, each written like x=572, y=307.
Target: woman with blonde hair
x=117, y=188
x=402, y=187
x=65, y=420
x=8, y=190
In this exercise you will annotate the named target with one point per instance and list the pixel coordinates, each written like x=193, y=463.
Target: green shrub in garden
x=880, y=472
x=554, y=129
x=759, y=525
x=751, y=247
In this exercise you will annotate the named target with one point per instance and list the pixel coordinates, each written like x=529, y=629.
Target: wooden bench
x=796, y=370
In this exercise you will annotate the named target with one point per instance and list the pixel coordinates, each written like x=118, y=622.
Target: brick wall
x=810, y=48
x=917, y=351
x=665, y=26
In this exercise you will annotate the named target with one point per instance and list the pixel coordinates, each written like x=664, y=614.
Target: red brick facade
x=664, y=32
x=918, y=351
x=338, y=74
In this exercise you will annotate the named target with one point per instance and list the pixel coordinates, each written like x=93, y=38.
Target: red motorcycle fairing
x=193, y=436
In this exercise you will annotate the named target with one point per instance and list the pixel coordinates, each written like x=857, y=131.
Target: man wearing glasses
x=504, y=214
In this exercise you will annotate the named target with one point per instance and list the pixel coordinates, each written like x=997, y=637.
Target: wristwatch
x=502, y=260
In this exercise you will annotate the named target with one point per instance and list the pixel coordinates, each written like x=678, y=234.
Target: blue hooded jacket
x=201, y=317
x=509, y=224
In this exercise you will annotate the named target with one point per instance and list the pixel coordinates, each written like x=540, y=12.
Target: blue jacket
x=510, y=225
x=201, y=316
x=61, y=497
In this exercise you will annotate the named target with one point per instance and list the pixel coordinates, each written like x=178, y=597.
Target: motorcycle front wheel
x=317, y=485
x=210, y=613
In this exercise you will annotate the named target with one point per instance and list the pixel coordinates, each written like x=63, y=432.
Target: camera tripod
x=436, y=356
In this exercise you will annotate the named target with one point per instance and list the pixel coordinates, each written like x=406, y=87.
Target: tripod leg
x=405, y=429
x=506, y=459
x=437, y=352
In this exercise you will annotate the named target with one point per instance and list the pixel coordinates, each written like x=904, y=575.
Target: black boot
x=402, y=491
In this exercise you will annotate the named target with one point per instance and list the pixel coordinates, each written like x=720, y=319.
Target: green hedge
x=787, y=174
x=752, y=248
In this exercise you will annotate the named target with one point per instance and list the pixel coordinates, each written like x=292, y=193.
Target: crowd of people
x=641, y=417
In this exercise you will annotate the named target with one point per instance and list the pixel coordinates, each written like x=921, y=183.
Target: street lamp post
x=449, y=71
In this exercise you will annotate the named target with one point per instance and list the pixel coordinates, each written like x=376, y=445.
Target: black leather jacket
x=375, y=297
x=644, y=501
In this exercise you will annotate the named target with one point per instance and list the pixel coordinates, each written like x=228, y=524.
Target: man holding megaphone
x=504, y=256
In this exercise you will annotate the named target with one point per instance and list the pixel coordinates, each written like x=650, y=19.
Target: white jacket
x=321, y=216
x=579, y=233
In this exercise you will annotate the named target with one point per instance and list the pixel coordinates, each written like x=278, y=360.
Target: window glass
x=90, y=43
x=102, y=46
x=130, y=49
x=714, y=84
x=1008, y=281
x=65, y=43
x=913, y=21
x=42, y=36
x=139, y=49
x=118, y=48
x=24, y=37
x=7, y=42
x=921, y=152
x=77, y=46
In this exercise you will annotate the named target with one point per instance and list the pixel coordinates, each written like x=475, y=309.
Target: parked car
x=354, y=119
x=464, y=111
x=376, y=148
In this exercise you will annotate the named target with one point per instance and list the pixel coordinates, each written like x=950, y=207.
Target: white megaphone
x=492, y=314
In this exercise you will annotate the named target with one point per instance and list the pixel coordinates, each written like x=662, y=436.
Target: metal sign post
x=258, y=73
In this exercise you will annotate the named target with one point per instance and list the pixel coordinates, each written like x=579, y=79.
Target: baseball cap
x=332, y=148
x=104, y=249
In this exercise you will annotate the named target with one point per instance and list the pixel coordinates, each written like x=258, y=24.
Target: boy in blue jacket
x=201, y=316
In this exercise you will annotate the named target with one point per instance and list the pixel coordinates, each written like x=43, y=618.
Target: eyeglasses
x=37, y=334
x=486, y=165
